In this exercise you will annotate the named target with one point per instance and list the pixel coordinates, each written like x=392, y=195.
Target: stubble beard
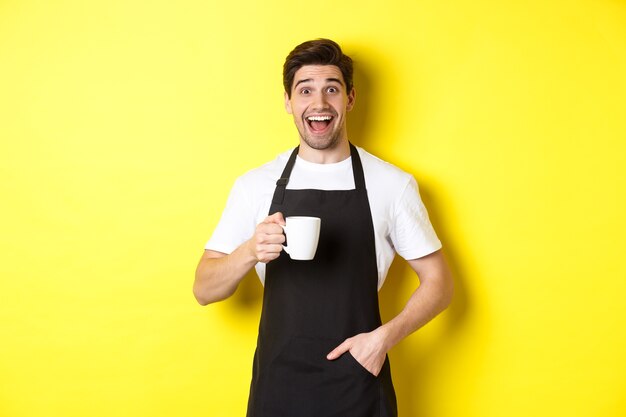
x=328, y=141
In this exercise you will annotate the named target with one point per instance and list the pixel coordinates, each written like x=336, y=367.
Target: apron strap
x=281, y=184
x=357, y=169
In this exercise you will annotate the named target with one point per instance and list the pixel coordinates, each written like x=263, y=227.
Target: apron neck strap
x=357, y=169
x=281, y=184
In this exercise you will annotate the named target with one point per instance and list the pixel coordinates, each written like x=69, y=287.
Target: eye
x=332, y=90
x=305, y=91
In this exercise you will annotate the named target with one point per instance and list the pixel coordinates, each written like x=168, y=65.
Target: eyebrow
x=337, y=80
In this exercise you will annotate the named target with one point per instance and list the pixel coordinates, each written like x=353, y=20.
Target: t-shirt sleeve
x=412, y=234
x=237, y=223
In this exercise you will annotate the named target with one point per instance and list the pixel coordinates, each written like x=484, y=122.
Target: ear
x=288, y=104
x=351, y=99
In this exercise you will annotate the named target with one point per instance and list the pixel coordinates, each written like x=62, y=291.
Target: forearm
x=218, y=274
x=217, y=278
x=423, y=306
x=427, y=301
x=431, y=298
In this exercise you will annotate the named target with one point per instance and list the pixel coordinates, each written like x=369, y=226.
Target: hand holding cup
x=268, y=239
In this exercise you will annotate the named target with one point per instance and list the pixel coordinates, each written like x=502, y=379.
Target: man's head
x=317, y=52
x=319, y=93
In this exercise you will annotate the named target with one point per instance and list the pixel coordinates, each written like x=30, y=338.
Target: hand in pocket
x=368, y=349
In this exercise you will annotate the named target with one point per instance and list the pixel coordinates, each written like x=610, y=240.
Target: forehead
x=318, y=73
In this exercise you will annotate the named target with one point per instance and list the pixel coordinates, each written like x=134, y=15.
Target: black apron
x=310, y=307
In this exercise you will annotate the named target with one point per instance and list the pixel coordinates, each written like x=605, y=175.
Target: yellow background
x=123, y=125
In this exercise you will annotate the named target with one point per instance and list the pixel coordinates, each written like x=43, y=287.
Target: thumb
x=340, y=350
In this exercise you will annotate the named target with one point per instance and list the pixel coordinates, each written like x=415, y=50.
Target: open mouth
x=320, y=123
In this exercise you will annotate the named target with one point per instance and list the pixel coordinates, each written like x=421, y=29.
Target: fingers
x=267, y=246
x=340, y=350
x=275, y=218
x=269, y=233
x=268, y=238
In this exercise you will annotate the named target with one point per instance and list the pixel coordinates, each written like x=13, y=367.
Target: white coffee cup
x=302, y=233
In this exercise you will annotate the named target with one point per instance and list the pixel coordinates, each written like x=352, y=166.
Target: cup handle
x=285, y=232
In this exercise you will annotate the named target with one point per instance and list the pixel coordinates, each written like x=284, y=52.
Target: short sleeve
x=237, y=223
x=412, y=234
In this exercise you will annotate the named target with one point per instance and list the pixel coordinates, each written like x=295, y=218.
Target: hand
x=367, y=348
x=268, y=238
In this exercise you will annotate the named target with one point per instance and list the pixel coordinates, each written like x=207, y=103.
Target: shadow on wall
x=414, y=369
x=249, y=294
x=412, y=372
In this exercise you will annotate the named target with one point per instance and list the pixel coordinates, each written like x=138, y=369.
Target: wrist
x=389, y=335
x=248, y=254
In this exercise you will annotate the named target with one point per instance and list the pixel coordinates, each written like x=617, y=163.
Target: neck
x=332, y=155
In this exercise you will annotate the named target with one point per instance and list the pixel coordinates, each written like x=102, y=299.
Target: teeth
x=319, y=118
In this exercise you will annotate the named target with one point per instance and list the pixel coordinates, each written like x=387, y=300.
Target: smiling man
x=322, y=348
x=319, y=101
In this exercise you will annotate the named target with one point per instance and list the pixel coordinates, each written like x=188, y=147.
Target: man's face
x=319, y=103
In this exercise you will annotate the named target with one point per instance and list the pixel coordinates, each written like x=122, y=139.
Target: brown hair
x=316, y=52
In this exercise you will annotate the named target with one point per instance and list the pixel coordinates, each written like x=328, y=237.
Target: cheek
x=340, y=105
x=300, y=110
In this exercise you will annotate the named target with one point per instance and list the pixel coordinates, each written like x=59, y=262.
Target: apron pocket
x=301, y=382
x=356, y=365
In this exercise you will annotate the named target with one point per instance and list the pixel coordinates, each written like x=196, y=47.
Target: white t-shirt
x=400, y=219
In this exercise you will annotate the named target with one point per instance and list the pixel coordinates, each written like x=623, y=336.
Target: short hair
x=316, y=52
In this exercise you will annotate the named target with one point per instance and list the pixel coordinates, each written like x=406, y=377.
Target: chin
x=321, y=143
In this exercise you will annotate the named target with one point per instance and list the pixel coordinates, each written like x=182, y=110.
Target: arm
x=218, y=275
x=431, y=298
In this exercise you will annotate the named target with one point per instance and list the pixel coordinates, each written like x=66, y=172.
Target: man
x=322, y=349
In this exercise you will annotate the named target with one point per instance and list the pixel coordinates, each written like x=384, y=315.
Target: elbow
x=200, y=297
x=447, y=294
x=201, y=289
x=202, y=293
x=203, y=302
x=447, y=298
x=443, y=290
x=205, y=297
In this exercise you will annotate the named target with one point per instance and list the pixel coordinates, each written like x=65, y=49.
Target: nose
x=319, y=101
